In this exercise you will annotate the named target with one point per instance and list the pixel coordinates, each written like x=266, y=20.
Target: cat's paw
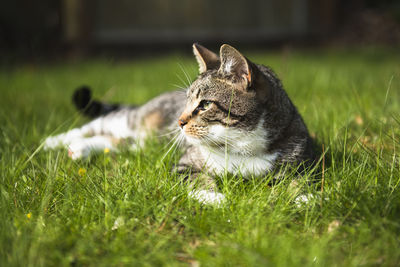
x=63, y=139
x=78, y=149
x=207, y=197
x=81, y=148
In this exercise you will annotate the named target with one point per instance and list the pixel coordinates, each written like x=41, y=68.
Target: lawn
x=128, y=209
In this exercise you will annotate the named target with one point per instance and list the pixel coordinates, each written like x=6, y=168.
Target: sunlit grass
x=128, y=209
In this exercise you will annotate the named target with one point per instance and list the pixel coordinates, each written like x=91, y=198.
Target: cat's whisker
x=186, y=75
x=177, y=141
x=231, y=143
x=223, y=145
x=170, y=148
x=182, y=81
x=181, y=138
x=173, y=139
x=183, y=88
x=174, y=131
x=226, y=140
x=210, y=141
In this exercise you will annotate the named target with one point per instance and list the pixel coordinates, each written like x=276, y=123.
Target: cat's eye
x=204, y=104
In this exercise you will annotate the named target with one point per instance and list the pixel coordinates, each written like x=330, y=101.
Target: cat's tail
x=82, y=99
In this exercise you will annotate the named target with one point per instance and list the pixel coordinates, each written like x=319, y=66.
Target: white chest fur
x=244, y=154
x=248, y=166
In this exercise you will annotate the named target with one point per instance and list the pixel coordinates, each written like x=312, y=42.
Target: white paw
x=78, y=149
x=207, y=197
x=63, y=139
x=81, y=148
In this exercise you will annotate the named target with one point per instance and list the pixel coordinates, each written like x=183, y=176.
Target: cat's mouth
x=194, y=134
x=206, y=136
x=205, y=141
x=218, y=137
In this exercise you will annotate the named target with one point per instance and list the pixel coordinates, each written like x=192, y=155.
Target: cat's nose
x=182, y=123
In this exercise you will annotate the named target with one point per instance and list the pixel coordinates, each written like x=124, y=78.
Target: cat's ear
x=234, y=63
x=207, y=60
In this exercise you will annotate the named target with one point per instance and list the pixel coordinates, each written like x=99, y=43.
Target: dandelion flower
x=81, y=171
x=106, y=150
x=29, y=215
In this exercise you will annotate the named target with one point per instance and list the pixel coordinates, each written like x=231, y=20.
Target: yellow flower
x=29, y=215
x=106, y=150
x=81, y=171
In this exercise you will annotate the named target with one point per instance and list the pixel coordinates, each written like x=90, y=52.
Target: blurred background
x=77, y=28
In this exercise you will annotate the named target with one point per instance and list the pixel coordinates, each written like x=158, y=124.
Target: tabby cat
x=234, y=118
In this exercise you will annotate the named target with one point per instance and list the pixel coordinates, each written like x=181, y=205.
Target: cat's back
x=160, y=112
x=288, y=134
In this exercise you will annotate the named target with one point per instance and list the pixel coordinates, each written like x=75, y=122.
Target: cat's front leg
x=203, y=187
x=205, y=194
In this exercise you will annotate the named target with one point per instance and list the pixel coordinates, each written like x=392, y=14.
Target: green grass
x=53, y=214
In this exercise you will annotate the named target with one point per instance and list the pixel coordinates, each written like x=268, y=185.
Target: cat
x=234, y=118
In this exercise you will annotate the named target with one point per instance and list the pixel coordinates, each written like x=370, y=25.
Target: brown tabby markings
x=153, y=121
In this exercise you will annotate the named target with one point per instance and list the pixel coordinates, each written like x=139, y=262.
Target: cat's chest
x=247, y=166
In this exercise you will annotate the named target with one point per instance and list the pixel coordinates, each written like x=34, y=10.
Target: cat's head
x=226, y=100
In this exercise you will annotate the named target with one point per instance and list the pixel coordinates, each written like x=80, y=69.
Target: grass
x=128, y=209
